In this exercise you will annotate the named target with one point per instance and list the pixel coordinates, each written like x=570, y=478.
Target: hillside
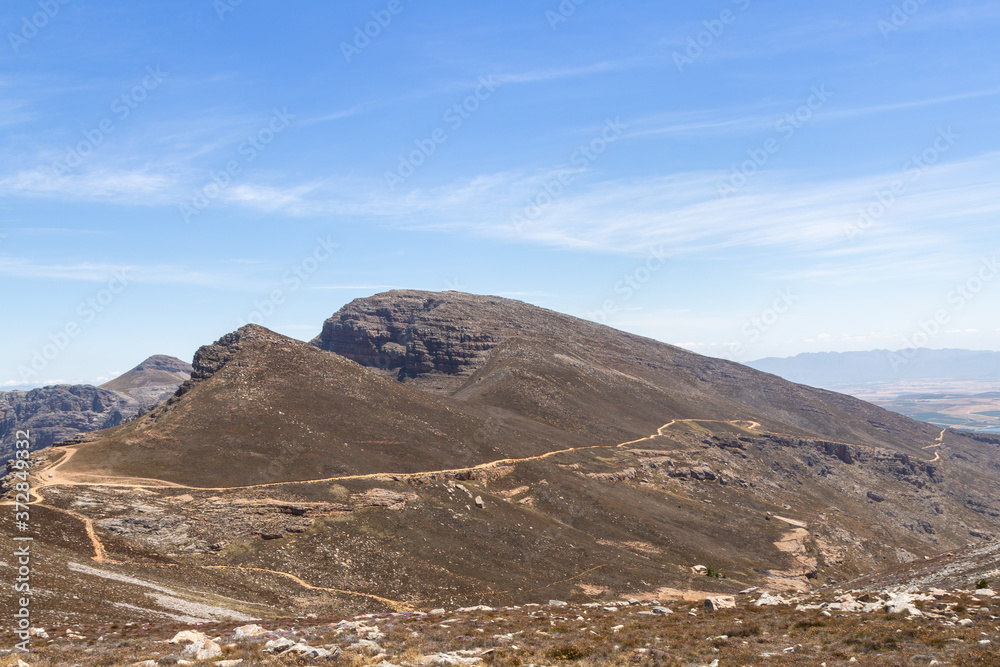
x=456, y=449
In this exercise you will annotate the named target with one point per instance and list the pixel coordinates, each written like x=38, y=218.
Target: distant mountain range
x=834, y=370
x=59, y=412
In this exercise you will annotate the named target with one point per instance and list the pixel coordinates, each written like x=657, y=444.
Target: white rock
x=768, y=600
x=986, y=593
x=38, y=632
x=481, y=607
x=447, y=659
x=720, y=602
x=306, y=651
x=206, y=649
x=902, y=603
x=278, y=645
x=699, y=569
x=187, y=637
x=251, y=630
x=228, y=663
x=965, y=622
x=557, y=603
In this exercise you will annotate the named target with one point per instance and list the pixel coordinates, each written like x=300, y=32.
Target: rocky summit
x=449, y=451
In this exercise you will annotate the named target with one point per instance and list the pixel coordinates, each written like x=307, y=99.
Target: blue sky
x=741, y=178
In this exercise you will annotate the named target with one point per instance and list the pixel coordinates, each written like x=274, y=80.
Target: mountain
x=154, y=380
x=574, y=374
x=432, y=449
x=843, y=369
x=60, y=412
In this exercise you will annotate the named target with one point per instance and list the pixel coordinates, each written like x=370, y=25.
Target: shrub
x=568, y=652
x=982, y=583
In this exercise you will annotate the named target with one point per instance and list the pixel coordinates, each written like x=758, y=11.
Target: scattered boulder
x=768, y=600
x=699, y=569
x=187, y=637
x=206, y=649
x=902, y=604
x=453, y=658
x=278, y=645
x=720, y=602
x=247, y=631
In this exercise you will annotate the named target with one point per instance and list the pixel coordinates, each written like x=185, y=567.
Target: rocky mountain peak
x=438, y=338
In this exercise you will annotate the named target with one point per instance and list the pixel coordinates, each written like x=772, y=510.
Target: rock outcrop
x=60, y=412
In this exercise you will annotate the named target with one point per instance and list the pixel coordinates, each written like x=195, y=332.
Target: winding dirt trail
x=54, y=479
x=937, y=443
x=51, y=477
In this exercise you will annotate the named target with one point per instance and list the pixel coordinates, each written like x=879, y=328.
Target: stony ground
x=933, y=627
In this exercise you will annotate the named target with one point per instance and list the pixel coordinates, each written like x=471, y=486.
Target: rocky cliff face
x=59, y=412
x=435, y=339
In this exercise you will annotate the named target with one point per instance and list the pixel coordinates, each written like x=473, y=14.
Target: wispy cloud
x=355, y=287
x=550, y=74
x=684, y=212
x=94, y=272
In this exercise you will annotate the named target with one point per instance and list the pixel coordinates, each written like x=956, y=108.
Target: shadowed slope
x=263, y=408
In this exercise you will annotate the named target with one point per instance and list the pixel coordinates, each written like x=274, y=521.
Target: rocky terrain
x=931, y=627
x=505, y=456
x=60, y=412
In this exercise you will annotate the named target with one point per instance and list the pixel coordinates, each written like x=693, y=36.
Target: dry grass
x=583, y=636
